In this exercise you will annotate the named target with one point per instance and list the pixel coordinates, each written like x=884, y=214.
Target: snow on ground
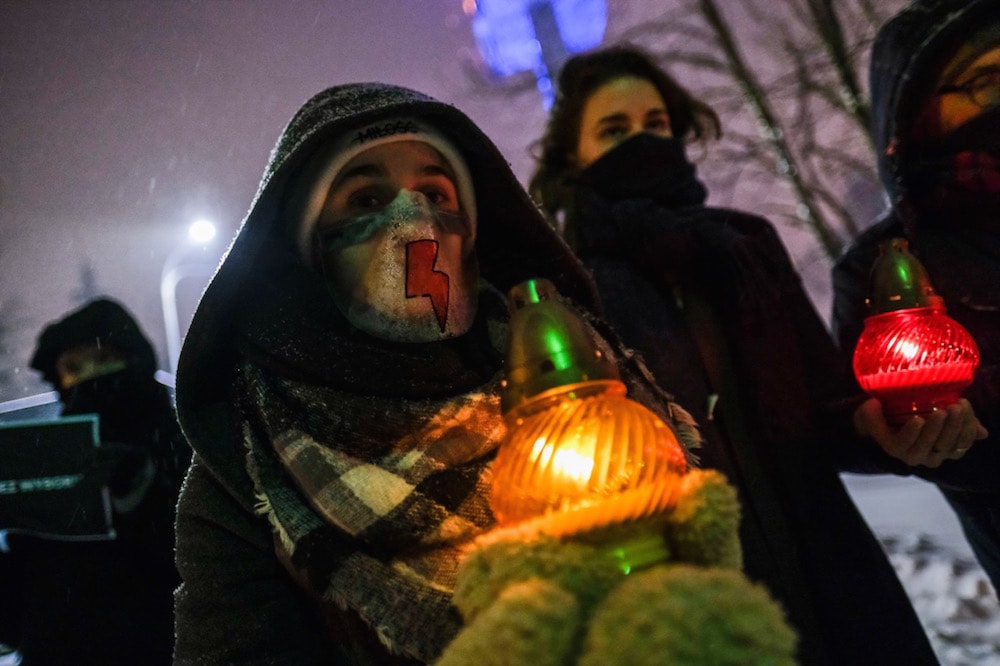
x=949, y=590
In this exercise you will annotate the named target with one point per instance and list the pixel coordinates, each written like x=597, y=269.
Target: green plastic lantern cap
x=549, y=345
x=899, y=281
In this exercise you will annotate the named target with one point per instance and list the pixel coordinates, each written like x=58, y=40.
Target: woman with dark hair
x=689, y=117
x=711, y=300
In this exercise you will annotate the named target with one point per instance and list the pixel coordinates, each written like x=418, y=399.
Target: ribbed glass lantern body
x=585, y=447
x=914, y=360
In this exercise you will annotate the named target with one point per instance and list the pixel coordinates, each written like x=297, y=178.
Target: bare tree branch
x=785, y=159
x=827, y=25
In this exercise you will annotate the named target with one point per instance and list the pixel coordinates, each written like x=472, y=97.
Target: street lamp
x=201, y=232
x=178, y=266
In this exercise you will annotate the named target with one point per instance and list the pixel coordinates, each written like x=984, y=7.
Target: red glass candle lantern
x=911, y=355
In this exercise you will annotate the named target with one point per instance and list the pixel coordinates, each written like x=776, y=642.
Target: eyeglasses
x=983, y=89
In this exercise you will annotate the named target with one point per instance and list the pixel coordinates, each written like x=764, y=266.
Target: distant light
x=201, y=231
x=507, y=38
x=535, y=35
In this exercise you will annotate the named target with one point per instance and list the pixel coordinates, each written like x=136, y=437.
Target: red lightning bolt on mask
x=405, y=273
x=422, y=280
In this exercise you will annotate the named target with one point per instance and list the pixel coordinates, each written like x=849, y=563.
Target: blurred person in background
x=935, y=87
x=104, y=602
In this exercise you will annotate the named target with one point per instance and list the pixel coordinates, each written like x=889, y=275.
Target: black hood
x=514, y=241
x=907, y=57
x=100, y=322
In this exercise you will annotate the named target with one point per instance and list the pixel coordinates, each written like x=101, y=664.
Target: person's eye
x=613, y=131
x=73, y=367
x=365, y=200
x=987, y=79
x=438, y=196
x=657, y=125
x=439, y=191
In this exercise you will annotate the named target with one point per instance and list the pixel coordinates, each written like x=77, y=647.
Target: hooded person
x=100, y=362
x=711, y=300
x=107, y=600
x=935, y=85
x=340, y=385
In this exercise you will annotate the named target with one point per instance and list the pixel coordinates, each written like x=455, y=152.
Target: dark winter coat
x=239, y=601
x=108, y=602
x=711, y=300
x=963, y=262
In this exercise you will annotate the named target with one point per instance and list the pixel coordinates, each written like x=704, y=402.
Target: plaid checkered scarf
x=375, y=498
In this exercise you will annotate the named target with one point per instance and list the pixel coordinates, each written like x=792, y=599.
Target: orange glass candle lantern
x=579, y=453
x=911, y=355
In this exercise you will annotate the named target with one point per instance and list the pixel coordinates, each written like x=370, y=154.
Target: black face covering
x=958, y=175
x=123, y=401
x=953, y=211
x=646, y=166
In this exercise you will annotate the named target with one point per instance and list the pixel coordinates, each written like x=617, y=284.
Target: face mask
x=646, y=166
x=966, y=159
x=406, y=273
x=957, y=178
x=123, y=399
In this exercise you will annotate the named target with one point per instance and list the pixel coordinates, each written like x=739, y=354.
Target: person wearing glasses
x=935, y=87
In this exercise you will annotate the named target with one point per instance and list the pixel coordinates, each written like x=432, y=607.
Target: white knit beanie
x=314, y=186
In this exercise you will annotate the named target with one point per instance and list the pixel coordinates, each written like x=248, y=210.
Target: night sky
x=122, y=121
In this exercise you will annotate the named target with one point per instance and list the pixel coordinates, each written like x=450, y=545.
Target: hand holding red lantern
x=915, y=360
x=926, y=440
